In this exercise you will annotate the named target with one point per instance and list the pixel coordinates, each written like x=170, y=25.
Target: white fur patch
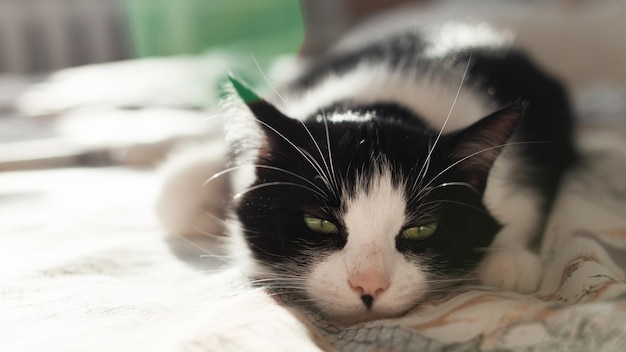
x=369, y=264
x=515, y=206
x=383, y=205
x=463, y=35
x=430, y=97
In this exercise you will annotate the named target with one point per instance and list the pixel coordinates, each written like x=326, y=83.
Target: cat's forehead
x=365, y=137
x=385, y=118
x=376, y=208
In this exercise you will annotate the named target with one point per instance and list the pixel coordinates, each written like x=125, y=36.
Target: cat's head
x=362, y=212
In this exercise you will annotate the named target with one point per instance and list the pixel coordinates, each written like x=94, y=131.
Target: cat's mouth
x=363, y=309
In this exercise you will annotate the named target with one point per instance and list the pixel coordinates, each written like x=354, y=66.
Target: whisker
x=329, y=170
x=269, y=184
x=267, y=79
x=221, y=238
x=213, y=117
x=269, y=167
x=457, y=203
x=473, y=155
x=316, y=166
x=216, y=256
x=311, y=160
x=323, y=176
x=424, y=170
x=426, y=191
x=195, y=245
x=330, y=154
x=223, y=222
x=289, y=283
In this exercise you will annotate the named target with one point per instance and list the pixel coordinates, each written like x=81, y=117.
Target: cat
x=392, y=169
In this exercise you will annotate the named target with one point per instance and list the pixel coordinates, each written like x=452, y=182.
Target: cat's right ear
x=276, y=126
x=476, y=147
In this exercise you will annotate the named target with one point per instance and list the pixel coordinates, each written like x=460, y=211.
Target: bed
x=85, y=265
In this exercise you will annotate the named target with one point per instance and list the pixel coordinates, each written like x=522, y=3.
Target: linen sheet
x=85, y=267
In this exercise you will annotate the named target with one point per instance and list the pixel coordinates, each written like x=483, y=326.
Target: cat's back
x=425, y=69
x=452, y=73
x=449, y=76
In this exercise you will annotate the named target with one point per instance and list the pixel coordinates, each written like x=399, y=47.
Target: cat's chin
x=361, y=316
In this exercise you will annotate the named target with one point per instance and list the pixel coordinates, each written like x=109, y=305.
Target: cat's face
x=357, y=214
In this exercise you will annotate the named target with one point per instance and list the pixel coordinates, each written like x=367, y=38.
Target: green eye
x=420, y=232
x=320, y=226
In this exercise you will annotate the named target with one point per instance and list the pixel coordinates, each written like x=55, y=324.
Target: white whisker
x=213, y=117
x=316, y=166
x=330, y=154
x=471, y=156
x=195, y=245
x=269, y=167
x=424, y=170
x=267, y=79
x=269, y=184
x=454, y=202
x=218, y=219
x=426, y=191
x=330, y=182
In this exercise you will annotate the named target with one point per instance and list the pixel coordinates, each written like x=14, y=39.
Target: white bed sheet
x=85, y=267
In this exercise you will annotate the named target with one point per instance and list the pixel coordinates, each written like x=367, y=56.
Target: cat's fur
x=447, y=125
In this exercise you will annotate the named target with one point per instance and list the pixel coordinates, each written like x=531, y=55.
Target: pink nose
x=369, y=285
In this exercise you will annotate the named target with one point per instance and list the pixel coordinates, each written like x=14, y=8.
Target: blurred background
x=101, y=82
x=162, y=53
x=140, y=67
x=46, y=35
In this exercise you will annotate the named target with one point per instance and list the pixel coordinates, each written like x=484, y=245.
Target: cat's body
x=395, y=168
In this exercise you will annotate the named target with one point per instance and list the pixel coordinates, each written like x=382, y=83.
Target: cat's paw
x=514, y=270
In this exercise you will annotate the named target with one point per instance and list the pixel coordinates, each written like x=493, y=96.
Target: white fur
x=509, y=264
x=441, y=37
x=512, y=204
x=432, y=99
x=455, y=35
x=512, y=269
x=369, y=263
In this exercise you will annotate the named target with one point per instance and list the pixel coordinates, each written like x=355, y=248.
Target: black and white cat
x=394, y=168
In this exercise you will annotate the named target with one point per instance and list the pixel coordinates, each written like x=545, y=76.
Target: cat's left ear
x=476, y=147
x=272, y=121
x=243, y=91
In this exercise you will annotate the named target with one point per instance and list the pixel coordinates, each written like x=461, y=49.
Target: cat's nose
x=369, y=286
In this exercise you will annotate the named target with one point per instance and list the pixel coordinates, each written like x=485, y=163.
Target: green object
x=264, y=28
